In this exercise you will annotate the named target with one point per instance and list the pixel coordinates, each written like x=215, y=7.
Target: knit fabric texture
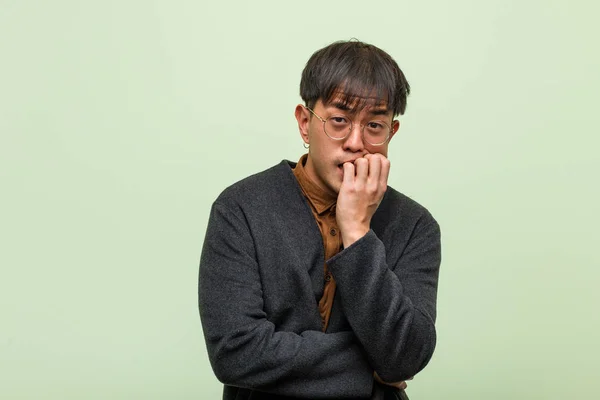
x=261, y=278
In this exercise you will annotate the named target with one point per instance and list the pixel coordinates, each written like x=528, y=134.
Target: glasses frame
x=362, y=128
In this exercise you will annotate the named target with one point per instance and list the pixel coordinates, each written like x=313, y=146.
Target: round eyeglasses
x=338, y=127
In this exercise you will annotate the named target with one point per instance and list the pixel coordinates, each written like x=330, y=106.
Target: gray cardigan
x=261, y=277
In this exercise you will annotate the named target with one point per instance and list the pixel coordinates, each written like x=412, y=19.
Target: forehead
x=354, y=103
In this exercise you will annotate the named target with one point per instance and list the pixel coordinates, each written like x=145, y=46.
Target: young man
x=317, y=280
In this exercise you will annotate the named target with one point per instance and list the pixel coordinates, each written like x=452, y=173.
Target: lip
x=350, y=161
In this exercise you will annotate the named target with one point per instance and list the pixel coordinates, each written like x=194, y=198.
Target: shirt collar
x=320, y=199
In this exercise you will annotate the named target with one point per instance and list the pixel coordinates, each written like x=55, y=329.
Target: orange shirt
x=322, y=205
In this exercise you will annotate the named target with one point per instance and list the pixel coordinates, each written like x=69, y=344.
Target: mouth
x=341, y=165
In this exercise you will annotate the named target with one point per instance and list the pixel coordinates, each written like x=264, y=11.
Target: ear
x=395, y=127
x=303, y=118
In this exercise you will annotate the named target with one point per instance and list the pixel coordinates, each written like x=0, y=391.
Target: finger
x=385, y=171
x=374, y=170
x=362, y=169
x=348, y=178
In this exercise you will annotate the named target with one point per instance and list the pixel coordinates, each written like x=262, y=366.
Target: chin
x=335, y=186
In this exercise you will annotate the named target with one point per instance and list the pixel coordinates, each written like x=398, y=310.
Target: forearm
x=393, y=318
x=307, y=365
x=246, y=350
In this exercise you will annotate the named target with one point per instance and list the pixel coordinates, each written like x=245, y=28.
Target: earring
x=306, y=145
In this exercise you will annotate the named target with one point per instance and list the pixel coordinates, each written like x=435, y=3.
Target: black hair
x=360, y=71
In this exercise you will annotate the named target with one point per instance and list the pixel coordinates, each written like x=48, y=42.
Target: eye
x=338, y=120
x=376, y=126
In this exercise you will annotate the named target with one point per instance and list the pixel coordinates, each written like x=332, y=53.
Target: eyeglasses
x=338, y=127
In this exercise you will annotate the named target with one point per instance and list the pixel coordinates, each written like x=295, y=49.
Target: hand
x=363, y=187
x=398, y=385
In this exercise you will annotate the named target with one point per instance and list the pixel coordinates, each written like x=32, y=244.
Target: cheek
x=323, y=162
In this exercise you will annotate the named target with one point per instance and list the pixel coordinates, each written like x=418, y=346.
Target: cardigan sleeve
x=246, y=349
x=392, y=308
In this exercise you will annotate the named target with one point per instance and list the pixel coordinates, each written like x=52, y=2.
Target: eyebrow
x=341, y=105
x=379, y=111
x=345, y=107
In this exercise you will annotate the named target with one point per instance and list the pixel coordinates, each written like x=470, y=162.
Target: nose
x=354, y=142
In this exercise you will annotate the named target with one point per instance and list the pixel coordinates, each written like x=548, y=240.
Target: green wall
x=121, y=121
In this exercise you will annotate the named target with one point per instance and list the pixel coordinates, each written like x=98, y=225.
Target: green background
x=121, y=121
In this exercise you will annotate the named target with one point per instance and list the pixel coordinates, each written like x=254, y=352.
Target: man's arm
x=245, y=348
x=391, y=308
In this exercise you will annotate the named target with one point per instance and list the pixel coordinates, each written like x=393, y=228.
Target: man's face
x=326, y=156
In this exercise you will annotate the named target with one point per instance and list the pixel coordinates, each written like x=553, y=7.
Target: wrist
x=348, y=238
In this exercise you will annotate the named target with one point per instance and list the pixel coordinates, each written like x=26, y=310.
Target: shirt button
x=333, y=232
x=327, y=277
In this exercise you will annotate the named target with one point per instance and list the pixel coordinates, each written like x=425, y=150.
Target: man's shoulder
x=262, y=186
x=396, y=205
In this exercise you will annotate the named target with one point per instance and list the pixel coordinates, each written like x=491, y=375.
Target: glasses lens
x=338, y=126
x=376, y=132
